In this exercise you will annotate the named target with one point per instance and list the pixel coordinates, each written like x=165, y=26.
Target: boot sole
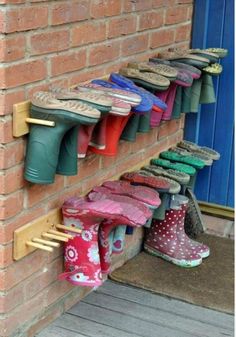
x=180, y=263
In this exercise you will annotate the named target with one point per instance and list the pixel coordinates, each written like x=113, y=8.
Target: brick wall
x=67, y=42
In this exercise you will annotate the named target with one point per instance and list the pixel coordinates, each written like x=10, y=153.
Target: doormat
x=209, y=285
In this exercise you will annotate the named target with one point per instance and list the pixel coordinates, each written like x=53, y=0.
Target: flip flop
x=189, y=160
x=148, y=80
x=192, y=147
x=181, y=177
x=190, y=170
x=208, y=161
x=159, y=184
x=161, y=69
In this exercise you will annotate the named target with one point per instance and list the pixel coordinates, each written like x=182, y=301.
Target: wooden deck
x=116, y=310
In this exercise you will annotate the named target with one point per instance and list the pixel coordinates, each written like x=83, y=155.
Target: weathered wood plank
x=54, y=331
x=125, y=322
x=168, y=304
x=85, y=326
x=154, y=316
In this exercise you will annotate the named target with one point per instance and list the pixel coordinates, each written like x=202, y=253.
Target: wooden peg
x=40, y=122
x=55, y=237
x=38, y=245
x=46, y=242
x=52, y=231
x=69, y=228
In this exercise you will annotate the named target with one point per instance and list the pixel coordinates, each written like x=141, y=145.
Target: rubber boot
x=170, y=102
x=114, y=128
x=144, y=123
x=131, y=128
x=177, y=108
x=207, y=90
x=84, y=137
x=196, y=247
x=195, y=95
x=186, y=99
x=136, y=214
x=156, y=116
x=44, y=144
x=162, y=241
x=119, y=240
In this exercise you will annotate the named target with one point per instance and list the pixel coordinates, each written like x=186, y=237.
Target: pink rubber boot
x=137, y=214
x=162, y=241
x=84, y=136
x=82, y=261
x=194, y=246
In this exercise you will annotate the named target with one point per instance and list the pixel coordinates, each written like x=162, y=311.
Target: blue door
x=213, y=126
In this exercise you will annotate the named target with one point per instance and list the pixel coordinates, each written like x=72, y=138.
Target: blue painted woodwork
x=213, y=125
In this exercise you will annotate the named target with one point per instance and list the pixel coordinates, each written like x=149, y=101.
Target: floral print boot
x=162, y=241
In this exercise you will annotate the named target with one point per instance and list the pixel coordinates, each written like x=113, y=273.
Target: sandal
x=160, y=69
x=190, y=170
x=181, y=177
x=192, y=147
x=148, y=80
x=173, y=156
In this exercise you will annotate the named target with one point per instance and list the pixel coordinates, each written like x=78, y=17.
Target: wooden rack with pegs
x=40, y=233
x=21, y=119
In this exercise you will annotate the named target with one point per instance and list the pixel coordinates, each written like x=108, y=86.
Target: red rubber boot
x=162, y=241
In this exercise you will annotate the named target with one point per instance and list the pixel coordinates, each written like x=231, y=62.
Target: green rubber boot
x=189, y=160
x=195, y=95
x=186, y=99
x=144, y=123
x=177, y=109
x=131, y=128
x=190, y=170
x=207, y=90
x=44, y=142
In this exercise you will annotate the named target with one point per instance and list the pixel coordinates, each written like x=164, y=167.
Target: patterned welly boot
x=194, y=246
x=119, y=239
x=82, y=260
x=162, y=241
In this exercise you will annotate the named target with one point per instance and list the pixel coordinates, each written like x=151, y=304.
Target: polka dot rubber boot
x=162, y=241
x=194, y=246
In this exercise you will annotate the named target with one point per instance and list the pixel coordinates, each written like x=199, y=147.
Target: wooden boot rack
x=43, y=233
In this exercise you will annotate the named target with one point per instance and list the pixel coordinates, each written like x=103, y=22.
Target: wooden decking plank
x=125, y=322
x=168, y=304
x=92, y=329
x=54, y=331
x=154, y=316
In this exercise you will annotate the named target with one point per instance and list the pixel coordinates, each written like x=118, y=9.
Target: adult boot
x=44, y=143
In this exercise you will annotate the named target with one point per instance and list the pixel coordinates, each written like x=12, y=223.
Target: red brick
x=190, y=12
x=176, y=15
x=137, y=5
x=36, y=87
x=135, y=44
x=12, y=49
x=74, y=297
x=183, y=33
x=184, y=2
x=24, y=18
x=104, y=53
x=57, y=290
x=103, y=8
x=21, y=270
x=88, y=32
x=158, y=3
x=169, y=127
x=11, y=154
x=22, y=73
x=12, y=1
x=6, y=131
x=36, y=193
x=69, y=62
x=6, y=231
x=150, y=20
x=86, y=75
x=122, y=26
x=7, y=99
x=162, y=37
x=11, y=205
x=6, y=256
x=72, y=11
x=49, y=42
x=11, y=180
x=11, y=299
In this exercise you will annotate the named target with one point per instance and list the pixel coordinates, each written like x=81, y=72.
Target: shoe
x=55, y=153
x=162, y=241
